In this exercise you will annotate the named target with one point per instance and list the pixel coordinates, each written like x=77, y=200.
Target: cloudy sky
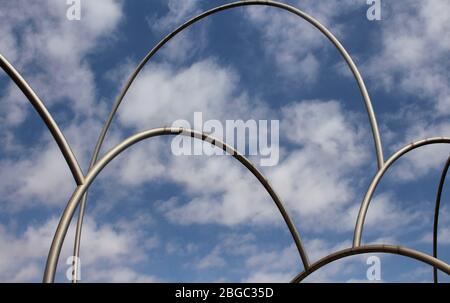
x=153, y=216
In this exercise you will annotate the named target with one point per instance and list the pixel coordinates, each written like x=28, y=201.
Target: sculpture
x=83, y=181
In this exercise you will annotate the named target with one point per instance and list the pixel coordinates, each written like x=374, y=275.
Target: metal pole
x=46, y=118
x=436, y=215
x=373, y=185
x=61, y=231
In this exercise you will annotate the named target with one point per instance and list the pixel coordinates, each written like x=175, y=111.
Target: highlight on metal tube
x=154, y=50
x=61, y=231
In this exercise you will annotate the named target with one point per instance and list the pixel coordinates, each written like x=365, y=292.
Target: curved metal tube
x=301, y=14
x=46, y=117
x=58, y=239
x=48, y=120
x=373, y=185
x=436, y=215
x=374, y=248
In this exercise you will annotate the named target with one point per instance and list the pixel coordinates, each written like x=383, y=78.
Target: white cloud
x=274, y=261
x=163, y=94
x=317, y=178
x=178, y=12
x=138, y=165
x=38, y=178
x=50, y=51
x=216, y=196
x=325, y=125
x=212, y=260
x=39, y=175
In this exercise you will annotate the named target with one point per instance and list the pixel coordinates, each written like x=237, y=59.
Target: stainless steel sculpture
x=79, y=196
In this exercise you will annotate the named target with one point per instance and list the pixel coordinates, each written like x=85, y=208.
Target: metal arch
x=374, y=248
x=311, y=20
x=368, y=196
x=61, y=231
x=436, y=215
x=46, y=117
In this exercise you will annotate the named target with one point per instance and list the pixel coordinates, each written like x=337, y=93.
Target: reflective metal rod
x=436, y=215
x=301, y=14
x=46, y=118
x=374, y=248
x=55, y=249
x=373, y=185
x=49, y=122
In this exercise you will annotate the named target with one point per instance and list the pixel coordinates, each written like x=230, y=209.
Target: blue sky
x=152, y=216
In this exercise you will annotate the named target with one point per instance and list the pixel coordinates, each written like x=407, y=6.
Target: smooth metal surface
x=374, y=248
x=49, y=122
x=373, y=185
x=436, y=215
x=291, y=9
x=46, y=118
x=56, y=246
